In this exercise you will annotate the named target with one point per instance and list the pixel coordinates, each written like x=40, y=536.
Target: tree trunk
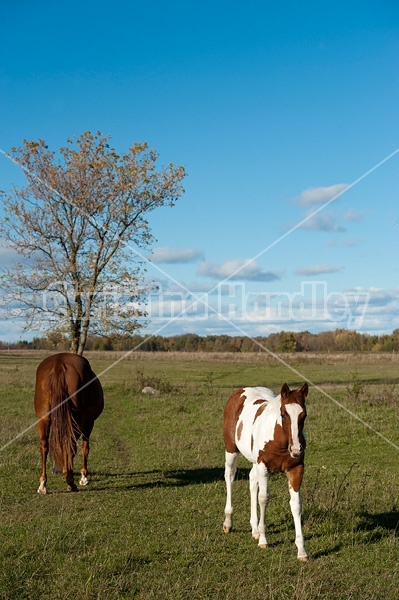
x=74, y=344
x=76, y=333
x=83, y=336
x=81, y=347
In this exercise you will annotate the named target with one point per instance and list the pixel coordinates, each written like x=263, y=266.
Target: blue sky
x=273, y=108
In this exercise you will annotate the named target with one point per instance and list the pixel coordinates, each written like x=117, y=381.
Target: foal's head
x=293, y=415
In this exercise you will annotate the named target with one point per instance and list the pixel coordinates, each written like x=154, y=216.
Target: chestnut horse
x=68, y=399
x=268, y=431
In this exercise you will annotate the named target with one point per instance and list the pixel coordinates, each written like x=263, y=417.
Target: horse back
x=250, y=414
x=69, y=375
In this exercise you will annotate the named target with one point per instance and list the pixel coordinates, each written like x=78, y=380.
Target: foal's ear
x=285, y=391
x=304, y=390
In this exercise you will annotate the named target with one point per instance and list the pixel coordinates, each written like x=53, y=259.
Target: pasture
x=149, y=525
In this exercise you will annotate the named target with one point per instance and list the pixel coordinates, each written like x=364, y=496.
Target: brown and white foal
x=268, y=431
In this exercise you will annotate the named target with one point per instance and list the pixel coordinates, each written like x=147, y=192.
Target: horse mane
x=63, y=436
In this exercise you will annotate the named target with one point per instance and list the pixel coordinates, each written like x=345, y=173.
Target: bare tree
x=78, y=224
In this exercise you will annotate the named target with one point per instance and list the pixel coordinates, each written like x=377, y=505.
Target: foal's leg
x=229, y=474
x=253, y=488
x=44, y=432
x=85, y=453
x=294, y=484
x=263, y=482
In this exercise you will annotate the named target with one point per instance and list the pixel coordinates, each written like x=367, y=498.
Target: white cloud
x=367, y=310
x=175, y=255
x=379, y=297
x=318, y=270
x=322, y=222
x=241, y=269
x=321, y=195
x=353, y=215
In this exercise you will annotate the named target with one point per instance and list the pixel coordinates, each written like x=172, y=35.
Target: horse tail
x=63, y=430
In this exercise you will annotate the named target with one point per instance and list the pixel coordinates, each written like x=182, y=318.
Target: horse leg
x=67, y=472
x=263, y=496
x=85, y=453
x=294, y=484
x=253, y=488
x=229, y=474
x=44, y=432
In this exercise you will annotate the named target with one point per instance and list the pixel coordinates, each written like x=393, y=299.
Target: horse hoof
x=256, y=536
x=226, y=529
x=303, y=559
x=263, y=546
x=83, y=481
x=42, y=491
x=71, y=488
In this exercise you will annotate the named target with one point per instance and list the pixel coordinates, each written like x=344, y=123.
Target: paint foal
x=68, y=399
x=268, y=431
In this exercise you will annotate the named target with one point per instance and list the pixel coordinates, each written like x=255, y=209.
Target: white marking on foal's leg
x=296, y=509
x=253, y=488
x=263, y=496
x=229, y=474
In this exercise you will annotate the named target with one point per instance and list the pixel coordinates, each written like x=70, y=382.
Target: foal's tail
x=63, y=431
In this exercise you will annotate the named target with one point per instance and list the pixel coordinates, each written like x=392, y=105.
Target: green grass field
x=149, y=525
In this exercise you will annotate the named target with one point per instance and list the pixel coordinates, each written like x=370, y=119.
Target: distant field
x=150, y=523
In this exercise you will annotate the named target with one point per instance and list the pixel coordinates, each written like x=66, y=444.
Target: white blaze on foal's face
x=293, y=411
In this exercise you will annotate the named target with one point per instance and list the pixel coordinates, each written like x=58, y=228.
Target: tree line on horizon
x=339, y=340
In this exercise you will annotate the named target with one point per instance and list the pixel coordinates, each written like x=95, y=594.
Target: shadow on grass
x=159, y=478
x=375, y=523
x=328, y=551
